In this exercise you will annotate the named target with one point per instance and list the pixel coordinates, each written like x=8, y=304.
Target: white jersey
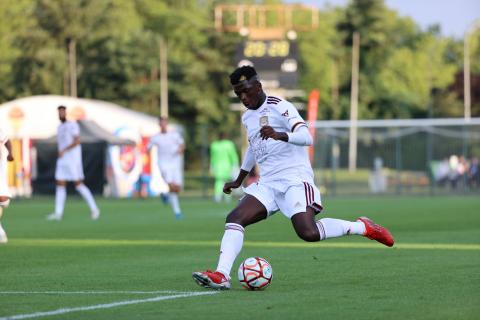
x=66, y=133
x=277, y=160
x=69, y=166
x=167, y=145
x=4, y=190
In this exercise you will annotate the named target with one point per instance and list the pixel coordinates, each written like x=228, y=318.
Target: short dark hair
x=62, y=107
x=162, y=118
x=241, y=74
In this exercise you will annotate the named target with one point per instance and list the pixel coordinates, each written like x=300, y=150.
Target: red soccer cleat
x=212, y=280
x=376, y=232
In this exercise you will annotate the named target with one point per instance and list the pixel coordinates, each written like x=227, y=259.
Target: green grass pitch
x=137, y=246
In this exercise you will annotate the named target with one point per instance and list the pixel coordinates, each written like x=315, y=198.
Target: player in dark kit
x=277, y=137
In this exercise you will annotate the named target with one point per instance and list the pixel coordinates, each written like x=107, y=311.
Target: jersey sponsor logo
x=273, y=100
x=263, y=121
x=285, y=114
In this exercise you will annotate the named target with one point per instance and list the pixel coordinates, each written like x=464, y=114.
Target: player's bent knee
x=239, y=216
x=309, y=235
x=5, y=203
x=235, y=216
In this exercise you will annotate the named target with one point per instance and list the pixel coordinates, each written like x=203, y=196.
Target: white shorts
x=296, y=198
x=69, y=171
x=172, y=175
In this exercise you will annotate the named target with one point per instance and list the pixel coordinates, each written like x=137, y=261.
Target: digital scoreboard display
x=275, y=61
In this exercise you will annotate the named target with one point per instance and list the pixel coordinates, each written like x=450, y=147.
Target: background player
x=277, y=138
x=223, y=162
x=70, y=167
x=5, y=155
x=170, y=147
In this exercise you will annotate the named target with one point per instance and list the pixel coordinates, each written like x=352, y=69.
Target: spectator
x=473, y=174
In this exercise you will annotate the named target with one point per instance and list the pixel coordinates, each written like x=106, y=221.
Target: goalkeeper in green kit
x=223, y=164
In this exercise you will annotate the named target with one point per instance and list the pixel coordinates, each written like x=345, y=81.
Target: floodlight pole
x=72, y=47
x=352, y=146
x=467, y=100
x=466, y=78
x=163, y=78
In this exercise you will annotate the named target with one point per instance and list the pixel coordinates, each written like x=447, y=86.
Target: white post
x=467, y=100
x=352, y=147
x=466, y=78
x=163, y=79
x=73, y=67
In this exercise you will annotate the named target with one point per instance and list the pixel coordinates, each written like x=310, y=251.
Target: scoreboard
x=275, y=61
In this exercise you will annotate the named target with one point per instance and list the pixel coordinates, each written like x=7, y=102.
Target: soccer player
x=277, y=138
x=170, y=147
x=70, y=167
x=223, y=160
x=5, y=155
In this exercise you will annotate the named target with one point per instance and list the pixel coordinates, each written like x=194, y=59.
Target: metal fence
x=425, y=156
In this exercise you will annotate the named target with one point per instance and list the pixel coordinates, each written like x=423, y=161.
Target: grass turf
x=138, y=245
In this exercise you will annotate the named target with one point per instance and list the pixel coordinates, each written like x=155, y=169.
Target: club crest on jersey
x=285, y=114
x=263, y=121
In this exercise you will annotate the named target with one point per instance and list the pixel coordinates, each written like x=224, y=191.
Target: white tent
x=36, y=117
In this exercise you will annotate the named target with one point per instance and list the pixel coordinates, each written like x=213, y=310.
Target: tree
x=16, y=17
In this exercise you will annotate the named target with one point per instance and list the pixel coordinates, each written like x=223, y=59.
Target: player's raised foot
x=212, y=280
x=179, y=216
x=54, y=217
x=376, y=232
x=95, y=214
x=3, y=236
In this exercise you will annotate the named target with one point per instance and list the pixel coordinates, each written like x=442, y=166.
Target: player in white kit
x=5, y=155
x=70, y=167
x=170, y=147
x=277, y=137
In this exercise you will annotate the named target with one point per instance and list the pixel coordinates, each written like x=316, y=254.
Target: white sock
x=332, y=228
x=60, y=197
x=232, y=243
x=87, y=196
x=173, y=198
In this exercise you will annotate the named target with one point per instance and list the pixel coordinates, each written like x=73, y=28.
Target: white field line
x=88, y=292
x=104, y=306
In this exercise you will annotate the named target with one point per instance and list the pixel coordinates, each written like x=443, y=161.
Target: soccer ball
x=255, y=273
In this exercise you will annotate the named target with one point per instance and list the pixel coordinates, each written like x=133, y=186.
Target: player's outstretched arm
x=227, y=188
x=300, y=137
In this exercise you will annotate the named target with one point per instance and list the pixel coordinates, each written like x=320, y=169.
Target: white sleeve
x=75, y=129
x=301, y=137
x=248, y=160
x=180, y=139
x=151, y=142
x=291, y=118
